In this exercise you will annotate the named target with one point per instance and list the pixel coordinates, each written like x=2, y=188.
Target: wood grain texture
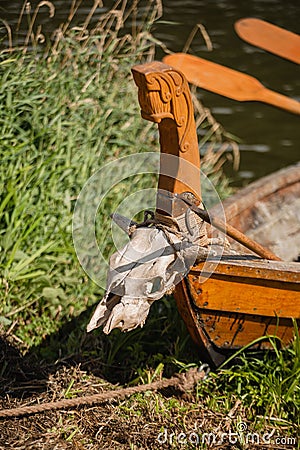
x=268, y=210
x=229, y=332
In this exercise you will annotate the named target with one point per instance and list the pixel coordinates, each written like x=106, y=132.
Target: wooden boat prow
x=229, y=303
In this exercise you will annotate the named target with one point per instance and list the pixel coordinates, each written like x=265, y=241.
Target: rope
x=184, y=382
x=168, y=221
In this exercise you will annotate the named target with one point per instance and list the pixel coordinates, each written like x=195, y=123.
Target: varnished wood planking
x=246, y=295
x=233, y=331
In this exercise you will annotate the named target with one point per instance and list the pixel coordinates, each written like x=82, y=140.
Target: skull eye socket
x=155, y=285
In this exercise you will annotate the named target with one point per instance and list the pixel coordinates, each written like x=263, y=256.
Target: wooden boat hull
x=244, y=297
x=233, y=308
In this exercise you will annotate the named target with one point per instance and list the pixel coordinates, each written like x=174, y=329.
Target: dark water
x=269, y=136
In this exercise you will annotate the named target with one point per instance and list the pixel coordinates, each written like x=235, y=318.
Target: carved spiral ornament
x=165, y=95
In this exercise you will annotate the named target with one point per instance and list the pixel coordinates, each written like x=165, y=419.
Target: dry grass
x=135, y=423
x=260, y=393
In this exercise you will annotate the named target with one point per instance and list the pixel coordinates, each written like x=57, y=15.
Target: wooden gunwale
x=282, y=271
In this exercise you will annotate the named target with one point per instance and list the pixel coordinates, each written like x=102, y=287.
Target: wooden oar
x=230, y=231
x=269, y=37
x=228, y=82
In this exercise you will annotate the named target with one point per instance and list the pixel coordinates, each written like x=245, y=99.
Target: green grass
x=267, y=384
x=65, y=111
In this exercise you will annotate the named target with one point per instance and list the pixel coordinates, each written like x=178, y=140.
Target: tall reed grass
x=67, y=106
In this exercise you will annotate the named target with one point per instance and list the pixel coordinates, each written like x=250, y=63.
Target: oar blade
x=228, y=82
x=215, y=78
x=269, y=37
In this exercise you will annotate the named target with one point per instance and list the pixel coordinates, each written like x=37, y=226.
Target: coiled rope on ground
x=184, y=382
